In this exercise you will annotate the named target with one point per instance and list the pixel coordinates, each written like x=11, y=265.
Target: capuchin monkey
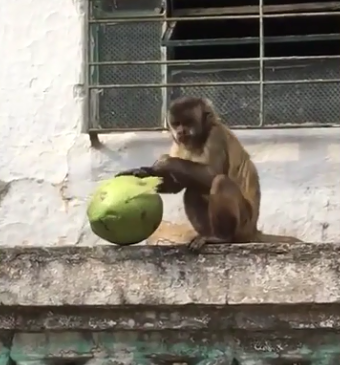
x=222, y=187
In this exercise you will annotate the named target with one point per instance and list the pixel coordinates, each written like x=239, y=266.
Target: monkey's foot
x=199, y=241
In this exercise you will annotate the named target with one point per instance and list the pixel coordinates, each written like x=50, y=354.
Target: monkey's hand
x=140, y=172
x=146, y=171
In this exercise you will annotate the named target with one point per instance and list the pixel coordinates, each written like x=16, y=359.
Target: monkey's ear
x=207, y=103
x=207, y=110
x=207, y=117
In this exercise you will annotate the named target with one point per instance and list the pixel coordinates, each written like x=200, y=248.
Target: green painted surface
x=4, y=355
x=149, y=348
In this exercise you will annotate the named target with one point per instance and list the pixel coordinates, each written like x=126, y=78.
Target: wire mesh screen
x=281, y=71
x=127, y=107
x=238, y=105
x=302, y=104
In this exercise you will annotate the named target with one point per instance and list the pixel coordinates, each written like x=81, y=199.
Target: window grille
x=263, y=63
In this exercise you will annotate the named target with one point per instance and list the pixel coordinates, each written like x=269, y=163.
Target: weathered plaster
x=48, y=167
x=76, y=305
x=222, y=275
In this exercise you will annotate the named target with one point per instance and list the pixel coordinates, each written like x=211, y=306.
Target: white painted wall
x=48, y=167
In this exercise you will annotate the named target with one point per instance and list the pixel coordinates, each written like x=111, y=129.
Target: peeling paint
x=76, y=305
x=4, y=188
x=132, y=348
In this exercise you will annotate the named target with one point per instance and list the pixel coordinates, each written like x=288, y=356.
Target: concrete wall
x=252, y=304
x=47, y=168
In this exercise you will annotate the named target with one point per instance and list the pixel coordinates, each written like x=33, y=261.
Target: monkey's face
x=184, y=128
x=188, y=120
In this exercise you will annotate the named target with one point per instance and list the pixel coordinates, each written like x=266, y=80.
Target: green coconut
x=126, y=210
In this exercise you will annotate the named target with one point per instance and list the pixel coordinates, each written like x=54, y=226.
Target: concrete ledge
x=110, y=276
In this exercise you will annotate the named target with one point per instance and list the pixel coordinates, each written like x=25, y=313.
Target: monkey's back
x=242, y=170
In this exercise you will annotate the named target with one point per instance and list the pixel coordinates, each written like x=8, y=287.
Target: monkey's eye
x=175, y=123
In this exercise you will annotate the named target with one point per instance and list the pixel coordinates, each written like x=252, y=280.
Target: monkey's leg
x=228, y=210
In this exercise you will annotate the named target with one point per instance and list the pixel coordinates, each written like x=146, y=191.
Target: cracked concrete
x=48, y=168
x=244, y=274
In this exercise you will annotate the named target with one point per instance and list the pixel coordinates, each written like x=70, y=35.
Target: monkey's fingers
x=124, y=173
x=140, y=172
x=196, y=244
x=162, y=158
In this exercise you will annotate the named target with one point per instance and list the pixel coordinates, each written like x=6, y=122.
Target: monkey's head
x=190, y=120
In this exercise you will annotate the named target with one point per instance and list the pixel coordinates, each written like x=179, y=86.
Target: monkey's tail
x=275, y=238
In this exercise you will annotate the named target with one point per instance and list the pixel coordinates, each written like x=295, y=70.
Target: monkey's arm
x=177, y=174
x=186, y=173
x=170, y=184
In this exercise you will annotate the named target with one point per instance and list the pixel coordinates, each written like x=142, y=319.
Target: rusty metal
x=210, y=61
x=280, y=82
x=202, y=18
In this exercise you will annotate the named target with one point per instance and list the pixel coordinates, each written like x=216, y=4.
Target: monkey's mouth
x=183, y=138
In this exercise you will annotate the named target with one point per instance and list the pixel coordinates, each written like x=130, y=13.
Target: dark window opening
x=218, y=39
x=294, y=2
x=276, y=27
x=302, y=49
x=302, y=36
x=213, y=29
x=283, y=37
x=215, y=52
x=194, y=4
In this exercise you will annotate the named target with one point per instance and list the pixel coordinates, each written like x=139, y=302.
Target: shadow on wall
x=299, y=171
x=45, y=203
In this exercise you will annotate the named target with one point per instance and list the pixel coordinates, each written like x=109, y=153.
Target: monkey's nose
x=182, y=133
x=181, y=136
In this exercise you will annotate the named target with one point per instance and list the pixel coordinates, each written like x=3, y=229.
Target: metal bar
x=254, y=9
x=86, y=57
x=147, y=86
x=170, y=27
x=197, y=84
x=250, y=40
x=200, y=18
x=261, y=35
x=237, y=127
x=209, y=61
x=307, y=14
x=169, y=19
x=134, y=14
x=210, y=42
x=132, y=129
x=297, y=82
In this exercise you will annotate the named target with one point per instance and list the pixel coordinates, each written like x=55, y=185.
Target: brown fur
x=222, y=188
